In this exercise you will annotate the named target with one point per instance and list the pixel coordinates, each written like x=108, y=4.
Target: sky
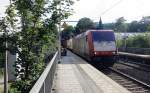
x=3, y=5
x=93, y=9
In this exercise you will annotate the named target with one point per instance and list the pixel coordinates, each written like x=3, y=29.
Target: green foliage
x=133, y=26
x=2, y=44
x=84, y=24
x=1, y=72
x=108, y=26
x=119, y=43
x=140, y=41
x=120, y=25
x=68, y=32
x=140, y=26
x=2, y=59
x=3, y=27
x=35, y=38
x=148, y=28
x=14, y=90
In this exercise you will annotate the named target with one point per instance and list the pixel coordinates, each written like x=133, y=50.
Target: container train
x=98, y=46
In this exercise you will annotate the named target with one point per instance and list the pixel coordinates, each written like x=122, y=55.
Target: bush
x=140, y=41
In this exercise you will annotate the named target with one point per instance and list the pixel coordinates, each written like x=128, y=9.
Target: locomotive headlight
x=95, y=53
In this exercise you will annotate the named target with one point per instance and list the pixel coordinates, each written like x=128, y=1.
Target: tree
x=68, y=32
x=84, y=24
x=133, y=26
x=139, y=41
x=108, y=25
x=144, y=23
x=36, y=37
x=120, y=25
x=148, y=28
x=139, y=26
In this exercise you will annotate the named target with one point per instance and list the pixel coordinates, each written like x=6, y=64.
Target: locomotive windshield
x=103, y=36
x=104, y=41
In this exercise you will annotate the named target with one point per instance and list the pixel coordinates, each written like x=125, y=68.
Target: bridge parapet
x=44, y=83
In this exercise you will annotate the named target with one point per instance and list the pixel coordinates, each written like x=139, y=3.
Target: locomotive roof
x=85, y=33
x=100, y=30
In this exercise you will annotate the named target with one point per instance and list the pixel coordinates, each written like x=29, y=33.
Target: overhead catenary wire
x=107, y=10
x=111, y=7
x=104, y=12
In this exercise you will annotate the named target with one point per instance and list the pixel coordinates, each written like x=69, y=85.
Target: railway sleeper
x=128, y=82
x=122, y=80
x=129, y=85
x=136, y=88
x=123, y=83
x=141, y=92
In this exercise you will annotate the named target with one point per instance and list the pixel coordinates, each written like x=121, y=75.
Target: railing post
x=5, y=67
x=44, y=86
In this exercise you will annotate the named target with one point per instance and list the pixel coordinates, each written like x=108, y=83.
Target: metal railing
x=44, y=83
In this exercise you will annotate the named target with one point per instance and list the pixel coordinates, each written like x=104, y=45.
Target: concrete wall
x=11, y=69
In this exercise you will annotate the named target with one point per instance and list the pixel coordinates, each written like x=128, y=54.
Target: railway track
x=139, y=71
x=135, y=65
x=123, y=77
x=142, y=62
x=130, y=83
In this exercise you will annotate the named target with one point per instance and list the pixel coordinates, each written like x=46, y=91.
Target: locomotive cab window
x=104, y=41
x=103, y=36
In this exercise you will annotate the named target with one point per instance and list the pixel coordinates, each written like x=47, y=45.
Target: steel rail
x=131, y=78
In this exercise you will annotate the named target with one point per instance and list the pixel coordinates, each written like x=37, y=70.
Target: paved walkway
x=74, y=75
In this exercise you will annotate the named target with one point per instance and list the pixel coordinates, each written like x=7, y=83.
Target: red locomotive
x=98, y=46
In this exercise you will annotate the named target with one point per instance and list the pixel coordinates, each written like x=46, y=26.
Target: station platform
x=75, y=75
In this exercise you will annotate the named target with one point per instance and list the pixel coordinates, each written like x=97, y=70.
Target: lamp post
x=5, y=33
x=59, y=34
x=6, y=61
x=125, y=40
